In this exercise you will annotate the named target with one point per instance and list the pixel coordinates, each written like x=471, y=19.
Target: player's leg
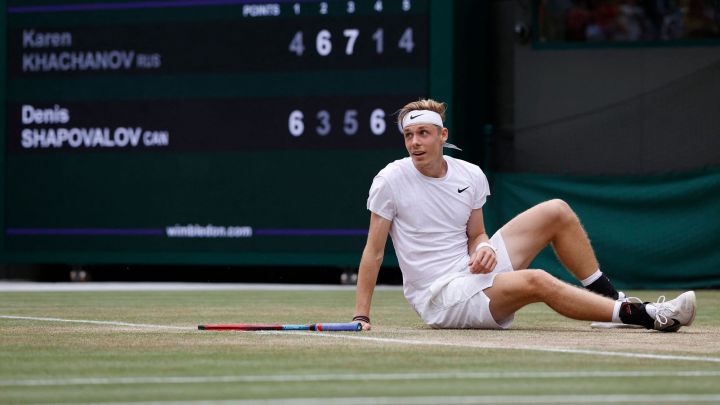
x=513, y=290
x=555, y=223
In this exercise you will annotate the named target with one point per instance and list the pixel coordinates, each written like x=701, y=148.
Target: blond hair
x=423, y=104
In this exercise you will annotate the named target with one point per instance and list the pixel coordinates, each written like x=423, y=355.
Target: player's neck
x=436, y=169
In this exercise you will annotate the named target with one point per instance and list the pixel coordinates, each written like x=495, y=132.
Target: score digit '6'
x=296, y=123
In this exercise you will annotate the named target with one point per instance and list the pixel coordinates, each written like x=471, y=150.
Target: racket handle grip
x=339, y=327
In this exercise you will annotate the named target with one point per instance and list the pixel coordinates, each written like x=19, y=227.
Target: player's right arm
x=370, y=263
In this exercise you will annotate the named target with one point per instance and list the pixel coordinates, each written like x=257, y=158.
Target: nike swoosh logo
x=413, y=117
x=675, y=326
x=672, y=328
x=460, y=190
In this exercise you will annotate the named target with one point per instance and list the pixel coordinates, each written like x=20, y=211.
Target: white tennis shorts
x=461, y=302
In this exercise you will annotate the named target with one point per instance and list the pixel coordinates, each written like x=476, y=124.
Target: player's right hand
x=482, y=262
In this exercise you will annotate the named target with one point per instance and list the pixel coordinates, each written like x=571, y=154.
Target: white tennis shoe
x=671, y=315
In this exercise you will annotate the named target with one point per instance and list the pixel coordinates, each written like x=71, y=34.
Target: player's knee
x=561, y=211
x=540, y=283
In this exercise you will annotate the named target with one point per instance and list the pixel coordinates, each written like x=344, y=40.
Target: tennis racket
x=319, y=327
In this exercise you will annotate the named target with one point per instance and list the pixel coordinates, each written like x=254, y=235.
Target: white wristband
x=485, y=244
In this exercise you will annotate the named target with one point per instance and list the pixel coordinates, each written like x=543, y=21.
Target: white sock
x=616, y=312
x=586, y=282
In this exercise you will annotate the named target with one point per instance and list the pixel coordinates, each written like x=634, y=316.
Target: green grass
x=57, y=351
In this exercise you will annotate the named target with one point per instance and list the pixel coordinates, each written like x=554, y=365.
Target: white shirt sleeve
x=380, y=200
x=483, y=191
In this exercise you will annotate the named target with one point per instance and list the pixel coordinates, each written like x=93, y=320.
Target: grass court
x=143, y=347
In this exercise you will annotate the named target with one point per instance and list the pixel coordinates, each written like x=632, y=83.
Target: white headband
x=424, y=117
x=421, y=117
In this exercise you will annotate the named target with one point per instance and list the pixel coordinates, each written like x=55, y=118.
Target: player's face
x=424, y=143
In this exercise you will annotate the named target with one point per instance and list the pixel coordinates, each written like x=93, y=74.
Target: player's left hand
x=483, y=261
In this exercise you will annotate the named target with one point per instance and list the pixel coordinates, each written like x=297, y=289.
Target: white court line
x=26, y=286
x=455, y=400
x=360, y=377
x=531, y=348
x=111, y=323
x=341, y=335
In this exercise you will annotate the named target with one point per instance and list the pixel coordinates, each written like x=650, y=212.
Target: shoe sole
x=694, y=306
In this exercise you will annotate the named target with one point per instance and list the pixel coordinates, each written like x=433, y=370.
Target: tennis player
x=454, y=274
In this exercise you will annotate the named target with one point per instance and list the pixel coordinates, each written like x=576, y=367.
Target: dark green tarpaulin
x=659, y=231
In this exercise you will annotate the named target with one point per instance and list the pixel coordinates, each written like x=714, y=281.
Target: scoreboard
x=206, y=131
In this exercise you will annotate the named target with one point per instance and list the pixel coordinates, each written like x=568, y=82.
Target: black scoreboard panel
x=217, y=131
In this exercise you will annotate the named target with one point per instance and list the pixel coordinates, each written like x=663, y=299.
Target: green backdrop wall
x=658, y=231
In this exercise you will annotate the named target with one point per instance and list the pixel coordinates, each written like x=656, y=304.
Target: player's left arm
x=482, y=258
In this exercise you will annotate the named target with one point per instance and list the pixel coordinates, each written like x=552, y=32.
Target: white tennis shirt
x=429, y=219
